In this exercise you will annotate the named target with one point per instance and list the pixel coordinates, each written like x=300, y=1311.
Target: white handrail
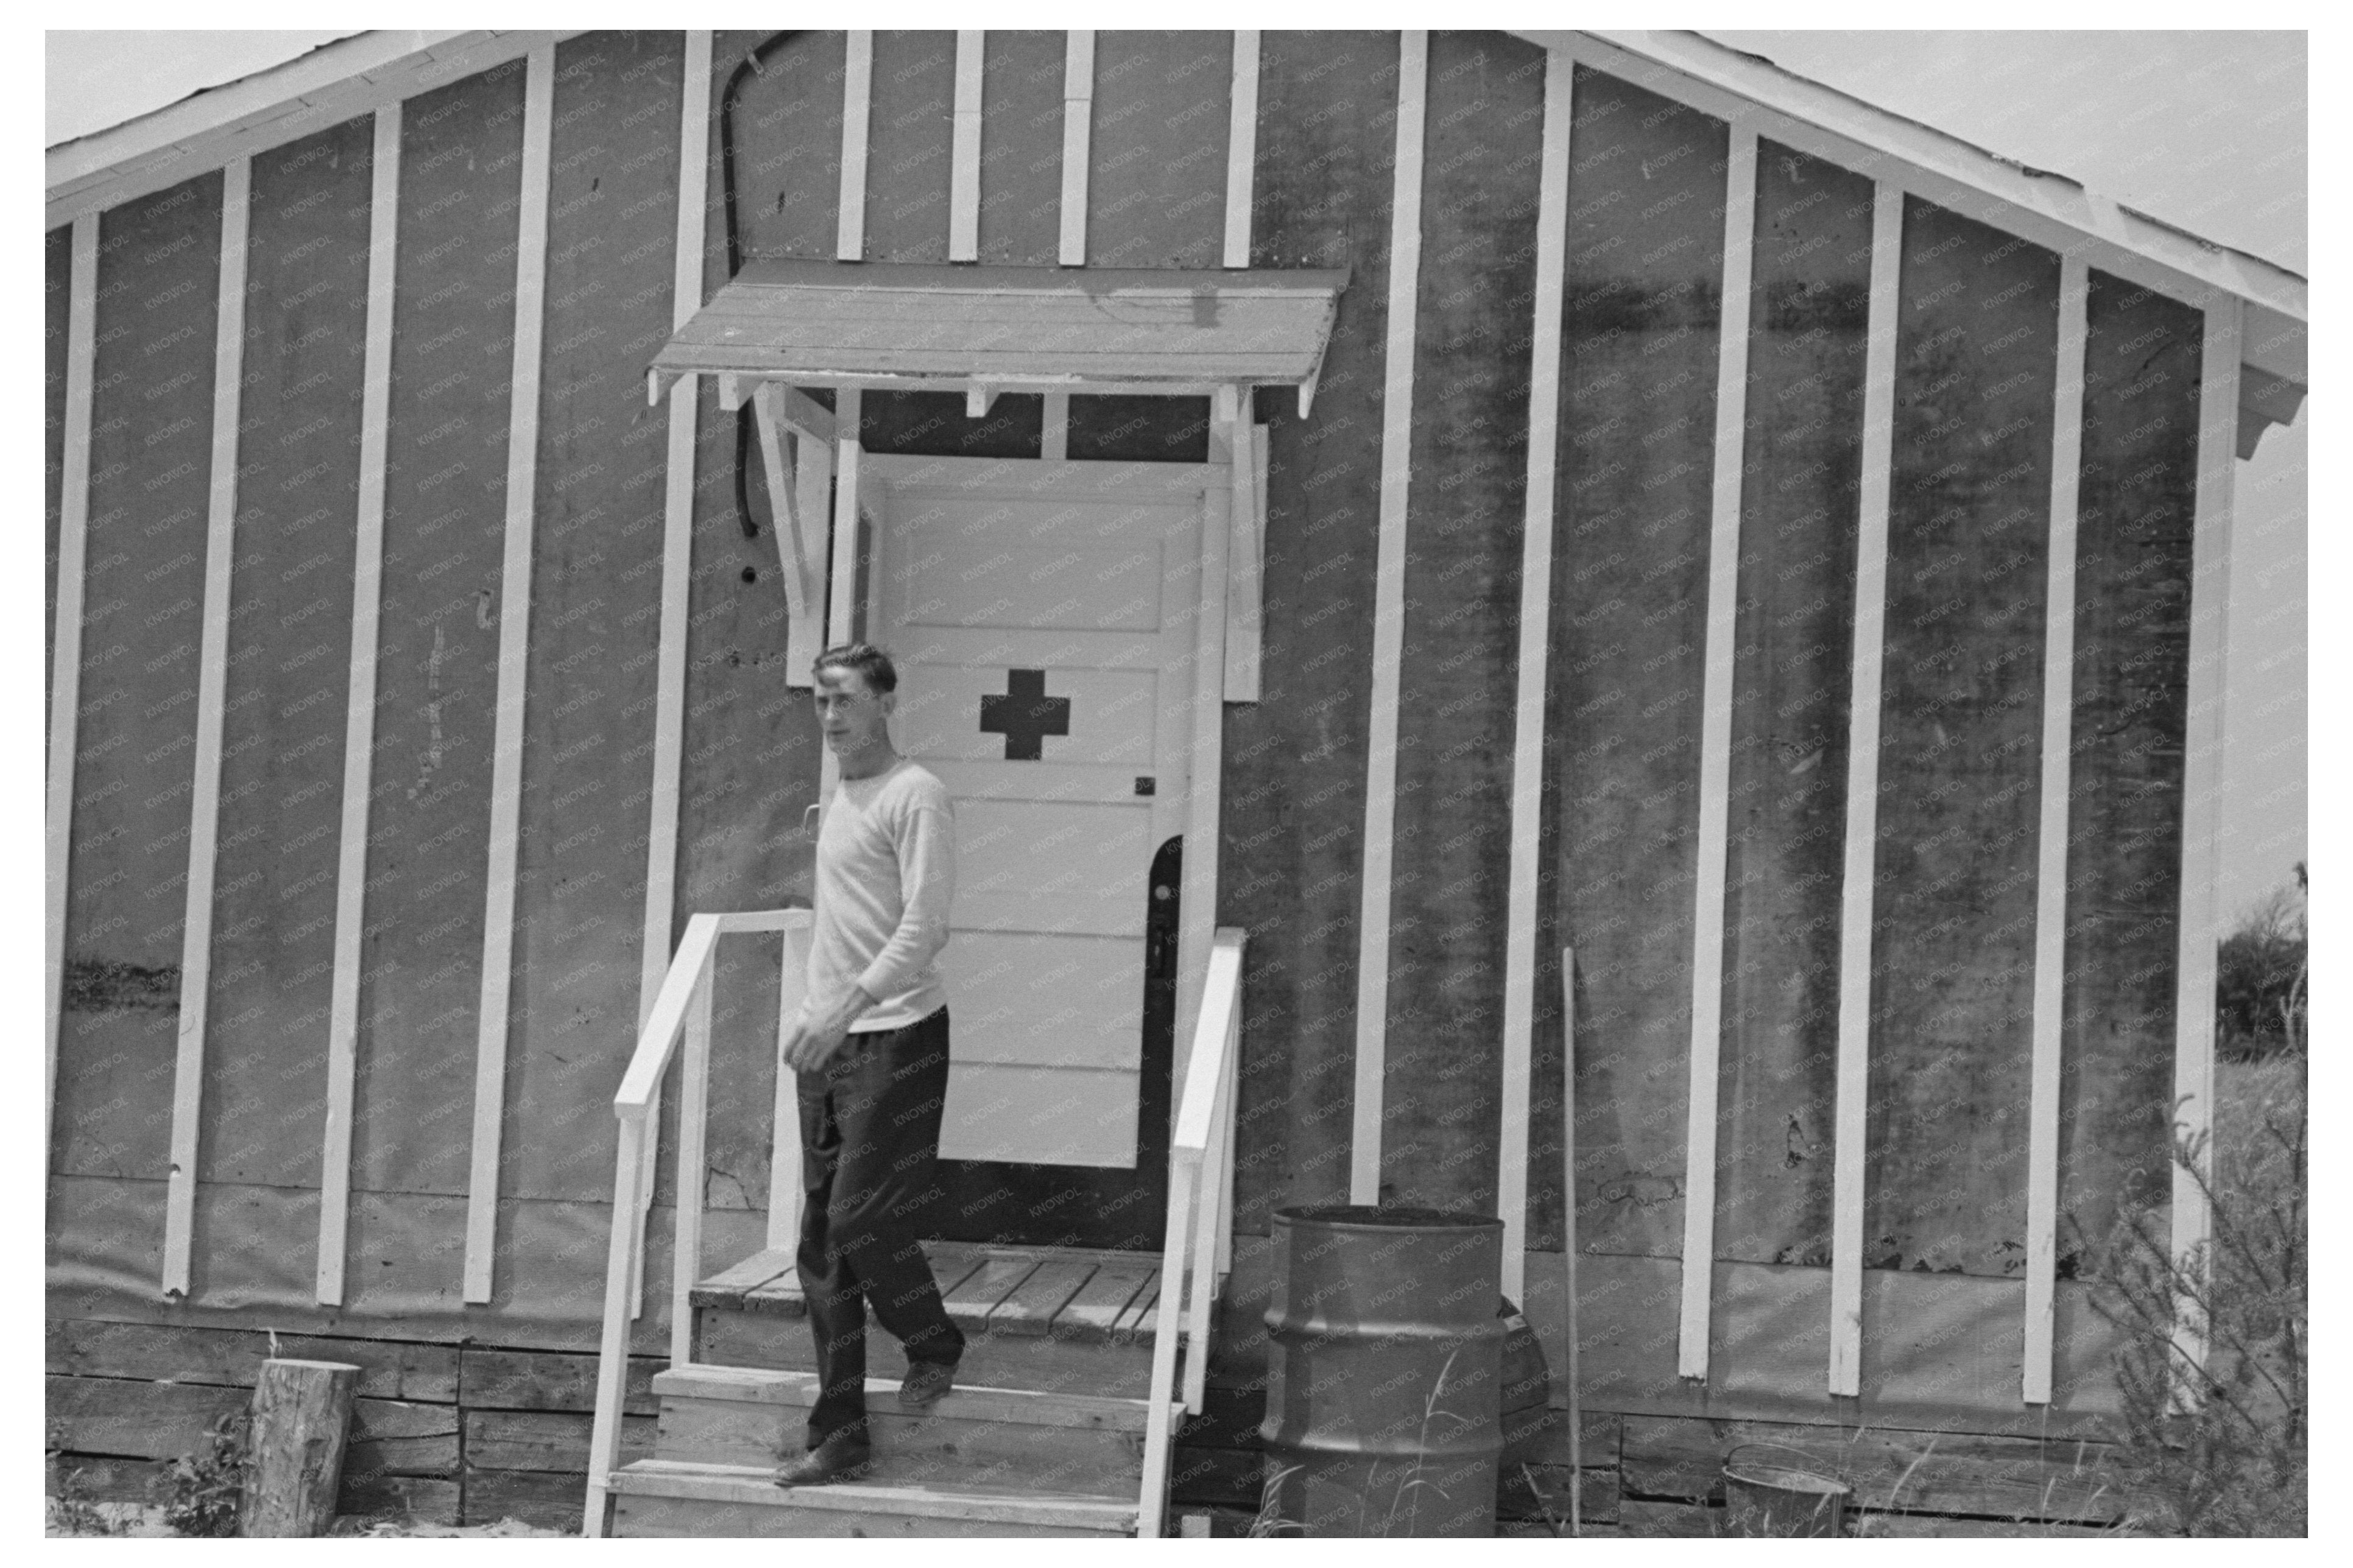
x=683, y=1006
x=1198, y=1196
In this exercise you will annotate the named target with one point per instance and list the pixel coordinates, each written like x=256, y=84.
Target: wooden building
x=1507, y=493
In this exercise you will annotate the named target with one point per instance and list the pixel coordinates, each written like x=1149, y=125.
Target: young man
x=870, y=1051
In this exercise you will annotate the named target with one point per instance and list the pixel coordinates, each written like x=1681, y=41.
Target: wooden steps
x=1043, y=1434
x=660, y=1497
x=1049, y=1319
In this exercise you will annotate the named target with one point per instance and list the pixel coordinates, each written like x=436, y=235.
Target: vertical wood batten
x=212, y=683
x=2201, y=787
x=1078, y=127
x=1527, y=745
x=857, y=90
x=1054, y=433
x=1241, y=146
x=677, y=569
x=1716, y=756
x=2050, y=873
x=1862, y=795
x=359, y=714
x=842, y=596
x=514, y=638
x=65, y=678
x=1389, y=623
x=964, y=175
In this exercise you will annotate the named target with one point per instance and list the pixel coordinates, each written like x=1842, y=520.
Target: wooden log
x=301, y=1418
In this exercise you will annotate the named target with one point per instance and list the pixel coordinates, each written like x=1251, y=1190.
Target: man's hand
x=820, y=1033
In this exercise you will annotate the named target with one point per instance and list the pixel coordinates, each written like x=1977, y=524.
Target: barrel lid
x=1385, y=1215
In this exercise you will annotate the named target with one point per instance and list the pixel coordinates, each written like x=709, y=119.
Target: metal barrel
x=1384, y=1359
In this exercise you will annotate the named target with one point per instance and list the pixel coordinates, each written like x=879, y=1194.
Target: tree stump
x=301, y=1418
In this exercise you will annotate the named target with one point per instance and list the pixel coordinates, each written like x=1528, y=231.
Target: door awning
x=986, y=329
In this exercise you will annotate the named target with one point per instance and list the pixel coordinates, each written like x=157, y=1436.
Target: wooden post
x=301, y=1416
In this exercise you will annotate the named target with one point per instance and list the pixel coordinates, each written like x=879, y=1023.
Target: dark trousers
x=869, y=1145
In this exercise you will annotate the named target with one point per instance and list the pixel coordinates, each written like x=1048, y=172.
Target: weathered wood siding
x=142, y=597
x=1021, y=148
x=1294, y=805
x=1959, y=754
x=2132, y=656
x=1808, y=306
x=1439, y=1122
x=273, y=945
x=1630, y=610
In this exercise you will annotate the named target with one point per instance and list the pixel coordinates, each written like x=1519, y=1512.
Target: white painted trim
x=693, y=1115
x=1198, y=901
x=1537, y=524
x=1241, y=146
x=1568, y=1180
x=2201, y=784
x=1716, y=756
x=842, y=596
x=212, y=690
x=1054, y=438
x=963, y=156
x=670, y=637
x=1389, y=624
x=1246, y=557
x=270, y=109
x=784, y=1157
x=2050, y=873
x=65, y=661
x=857, y=108
x=514, y=649
x=1862, y=795
x=359, y=712
x=1078, y=130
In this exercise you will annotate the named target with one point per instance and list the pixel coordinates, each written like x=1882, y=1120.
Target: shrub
x=2217, y=1447
x=203, y=1491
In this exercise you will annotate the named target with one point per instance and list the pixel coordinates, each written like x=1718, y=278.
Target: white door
x=1042, y=619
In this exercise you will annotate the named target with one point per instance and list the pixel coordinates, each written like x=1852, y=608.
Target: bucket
x=1766, y=1499
x=1384, y=1355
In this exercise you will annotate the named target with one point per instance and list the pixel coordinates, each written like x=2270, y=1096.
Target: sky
x=2205, y=130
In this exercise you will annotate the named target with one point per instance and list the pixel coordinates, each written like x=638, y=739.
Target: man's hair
x=871, y=664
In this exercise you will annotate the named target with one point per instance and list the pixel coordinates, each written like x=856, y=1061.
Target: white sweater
x=885, y=877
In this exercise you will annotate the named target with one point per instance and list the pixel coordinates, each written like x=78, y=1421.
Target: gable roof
x=350, y=77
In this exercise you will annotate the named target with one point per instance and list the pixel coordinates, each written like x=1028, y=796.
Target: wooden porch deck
x=1065, y=1293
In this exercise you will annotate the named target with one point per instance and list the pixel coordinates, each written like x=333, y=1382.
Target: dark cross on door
x=1024, y=715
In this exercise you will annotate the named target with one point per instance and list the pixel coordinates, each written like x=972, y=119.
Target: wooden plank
x=1241, y=146
x=514, y=648
x=393, y=1437
x=1135, y=1321
x=1536, y=530
x=136, y=1420
x=1716, y=756
x=963, y=179
x=1054, y=437
x=1031, y=1308
x=857, y=82
x=1096, y=1306
x=2021, y=1478
x=2202, y=789
x=490, y=1378
x=2050, y=871
x=795, y=1514
x=1845, y=1369
x=1078, y=127
x=549, y=1499
x=1389, y=623
x=212, y=683
x=978, y=1293
x=359, y=714
x=545, y=1440
x=613, y=1346
x=1545, y=1491
x=726, y=1288
x=914, y=1511
x=414, y=1500
x=65, y=661
x=231, y=1358
x=779, y=1298
x=1205, y=772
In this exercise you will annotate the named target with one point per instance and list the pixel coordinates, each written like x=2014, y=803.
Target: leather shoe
x=835, y=1459
x=926, y=1384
